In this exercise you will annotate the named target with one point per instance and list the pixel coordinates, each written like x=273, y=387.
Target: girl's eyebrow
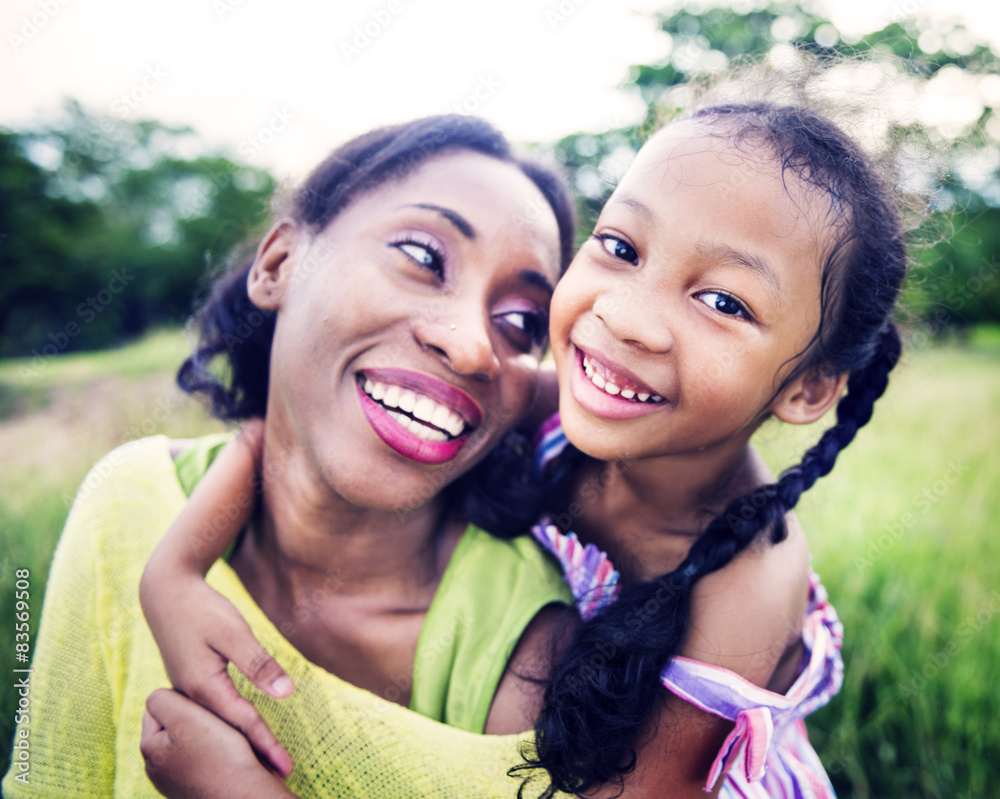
x=459, y=221
x=749, y=260
x=639, y=208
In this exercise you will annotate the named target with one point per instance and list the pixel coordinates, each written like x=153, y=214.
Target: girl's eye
x=619, y=248
x=725, y=304
x=532, y=327
x=423, y=254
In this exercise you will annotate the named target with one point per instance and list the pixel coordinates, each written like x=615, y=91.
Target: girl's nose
x=463, y=341
x=633, y=319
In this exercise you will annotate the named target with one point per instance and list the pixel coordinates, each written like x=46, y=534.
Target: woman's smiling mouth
x=418, y=416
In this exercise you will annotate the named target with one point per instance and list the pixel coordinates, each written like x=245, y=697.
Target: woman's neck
x=308, y=535
x=646, y=513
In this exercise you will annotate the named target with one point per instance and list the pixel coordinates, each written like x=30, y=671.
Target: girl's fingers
x=244, y=651
x=221, y=697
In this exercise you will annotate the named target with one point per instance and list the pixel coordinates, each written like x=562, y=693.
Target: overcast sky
x=281, y=83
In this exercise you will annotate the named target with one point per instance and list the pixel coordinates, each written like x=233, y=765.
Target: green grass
x=55, y=422
x=916, y=579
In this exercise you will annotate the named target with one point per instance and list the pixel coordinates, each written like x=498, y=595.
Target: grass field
x=901, y=532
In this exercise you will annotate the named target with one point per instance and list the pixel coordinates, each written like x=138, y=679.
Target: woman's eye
x=724, y=303
x=534, y=326
x=423, y=255
x=619, y=248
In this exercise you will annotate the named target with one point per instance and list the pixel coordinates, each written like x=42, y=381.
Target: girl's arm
x=197, y=630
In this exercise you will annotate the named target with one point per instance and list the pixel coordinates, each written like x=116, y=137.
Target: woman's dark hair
x=605, y=691
x=231, y=327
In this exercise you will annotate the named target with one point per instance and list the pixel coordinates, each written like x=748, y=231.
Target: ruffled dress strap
x=549, y=442
x=588, y=571
x=763, y=717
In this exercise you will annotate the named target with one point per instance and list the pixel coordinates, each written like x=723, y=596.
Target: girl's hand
x=192, y=754
x=198, y=630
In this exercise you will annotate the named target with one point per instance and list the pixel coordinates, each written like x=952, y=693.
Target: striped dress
x=768, y=753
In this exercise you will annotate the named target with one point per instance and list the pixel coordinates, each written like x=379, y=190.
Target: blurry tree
x=107, y=227
x=955, y=281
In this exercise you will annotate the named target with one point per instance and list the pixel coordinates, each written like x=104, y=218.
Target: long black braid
x=606, y=689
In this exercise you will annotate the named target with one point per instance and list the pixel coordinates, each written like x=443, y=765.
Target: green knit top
x=95, y=663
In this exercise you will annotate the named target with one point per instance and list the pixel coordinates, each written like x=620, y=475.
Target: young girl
x=745, y=267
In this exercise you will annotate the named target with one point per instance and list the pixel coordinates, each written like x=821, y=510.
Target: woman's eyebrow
x=536, y=279
x=459, y=221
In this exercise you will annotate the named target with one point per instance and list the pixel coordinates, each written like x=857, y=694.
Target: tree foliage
x=108, y=226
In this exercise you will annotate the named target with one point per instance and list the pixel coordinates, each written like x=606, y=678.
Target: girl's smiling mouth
x=604, y=392
x=418, y=416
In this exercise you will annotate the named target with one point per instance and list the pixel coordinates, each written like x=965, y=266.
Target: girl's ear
x=272, y=267
x=809, y=396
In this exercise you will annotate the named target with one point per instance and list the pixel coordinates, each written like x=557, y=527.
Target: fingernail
x=282, y=687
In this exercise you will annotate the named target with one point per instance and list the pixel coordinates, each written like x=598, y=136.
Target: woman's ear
x=809, y=396
x=271, y=271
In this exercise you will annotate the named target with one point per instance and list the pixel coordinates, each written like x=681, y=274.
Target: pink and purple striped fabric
x=768, y=753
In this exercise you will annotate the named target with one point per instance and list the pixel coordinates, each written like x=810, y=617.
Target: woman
x=408, y=259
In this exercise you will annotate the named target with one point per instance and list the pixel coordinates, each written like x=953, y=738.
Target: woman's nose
x=634, y=319
x=464, y=343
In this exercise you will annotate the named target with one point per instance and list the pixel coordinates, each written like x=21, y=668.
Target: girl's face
x=679, y=318
x=409, y=331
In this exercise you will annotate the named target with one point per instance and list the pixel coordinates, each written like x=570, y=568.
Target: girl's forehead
x=673, y=147
x=695, y=161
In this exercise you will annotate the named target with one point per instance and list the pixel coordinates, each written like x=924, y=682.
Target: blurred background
x=141, y=142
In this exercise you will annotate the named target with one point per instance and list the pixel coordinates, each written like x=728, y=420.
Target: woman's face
x=679, y=318
x=409, y=331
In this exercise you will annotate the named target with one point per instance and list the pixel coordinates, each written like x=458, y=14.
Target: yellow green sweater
x=96, y=662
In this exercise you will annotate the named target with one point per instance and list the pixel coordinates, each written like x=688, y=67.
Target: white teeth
x=400, y=418
x=427, y=433
x=424, y=409
x=612, y=388
x=407, y=401
x=391, y=397
x=455, y=425
x=441, y=417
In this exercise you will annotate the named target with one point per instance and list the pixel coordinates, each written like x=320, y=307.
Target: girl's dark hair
x=231, y=327
x=605, y=691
